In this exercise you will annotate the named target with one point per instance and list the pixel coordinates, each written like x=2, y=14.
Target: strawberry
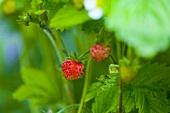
x=100, y=52
x=72, y=69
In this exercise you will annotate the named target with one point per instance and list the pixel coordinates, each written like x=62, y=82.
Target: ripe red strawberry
x=72, y=69
x=100, y=52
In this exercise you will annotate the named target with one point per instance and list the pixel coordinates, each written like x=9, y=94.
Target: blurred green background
x=25, y=46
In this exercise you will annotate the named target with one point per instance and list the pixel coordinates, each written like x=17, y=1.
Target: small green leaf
x=52, y=7
x=106, y=101
x=105, y=82
x=69, y=16
x=92, y=24
x=39, y=12
x=92, y=91
x=143, y=24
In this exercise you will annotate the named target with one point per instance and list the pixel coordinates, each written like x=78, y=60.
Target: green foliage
x=144, y=93
x=153, y=75
x=106, y=101
x=37, y=86
x=137, y=24
x=105, y=92
x=105, y=82
x=52, y=8
x=35, y=5
x=92, y=24
x=69, y=16
x=151, y=101
x=144, y=25
x=146, y=90
x=128, y=99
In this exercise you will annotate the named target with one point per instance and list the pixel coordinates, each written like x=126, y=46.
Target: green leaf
x=128, y=98
x=154, y=75
x=35, y=5
x=92, y=91
x=151, y=102
x=92, y=24
x=37, y=86
x=39, y=12
x=105, y=82
x=143, y=24
x=106, y=101
x=106, y=93
x=145, y=92
x=69, y=16
x=52, y=7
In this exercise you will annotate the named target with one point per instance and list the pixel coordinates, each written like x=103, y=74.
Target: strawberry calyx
x=81, y=58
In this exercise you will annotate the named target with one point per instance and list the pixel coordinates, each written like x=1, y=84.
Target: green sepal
x=82, y=58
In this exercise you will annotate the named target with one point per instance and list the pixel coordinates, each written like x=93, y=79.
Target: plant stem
x=129, y=53
x=54, y=45
x=112, y=57
x=84, y=55
x=54, y=38
x=119, y=53
x=86, y=83
x=62, y=43
x=58, y=41
x=121, y=98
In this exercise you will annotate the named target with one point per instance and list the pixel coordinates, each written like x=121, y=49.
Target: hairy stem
x=114, y=60
x=86, y=83
x=62, y=43
x=51, y=38
x=119, y=56
x=84, y=54
x=54, y=38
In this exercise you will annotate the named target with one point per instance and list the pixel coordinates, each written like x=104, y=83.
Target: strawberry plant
x=86, y=56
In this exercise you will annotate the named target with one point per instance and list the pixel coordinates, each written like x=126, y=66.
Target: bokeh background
x=19, y=42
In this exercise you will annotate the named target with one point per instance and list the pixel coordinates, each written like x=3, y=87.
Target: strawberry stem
x=84, y=54
x=101, y=35
x=85, y=85
x=119, y=53
x=114, y=60
x=53, y=36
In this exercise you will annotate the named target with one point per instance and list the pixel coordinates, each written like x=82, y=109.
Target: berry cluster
x=73, y=69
